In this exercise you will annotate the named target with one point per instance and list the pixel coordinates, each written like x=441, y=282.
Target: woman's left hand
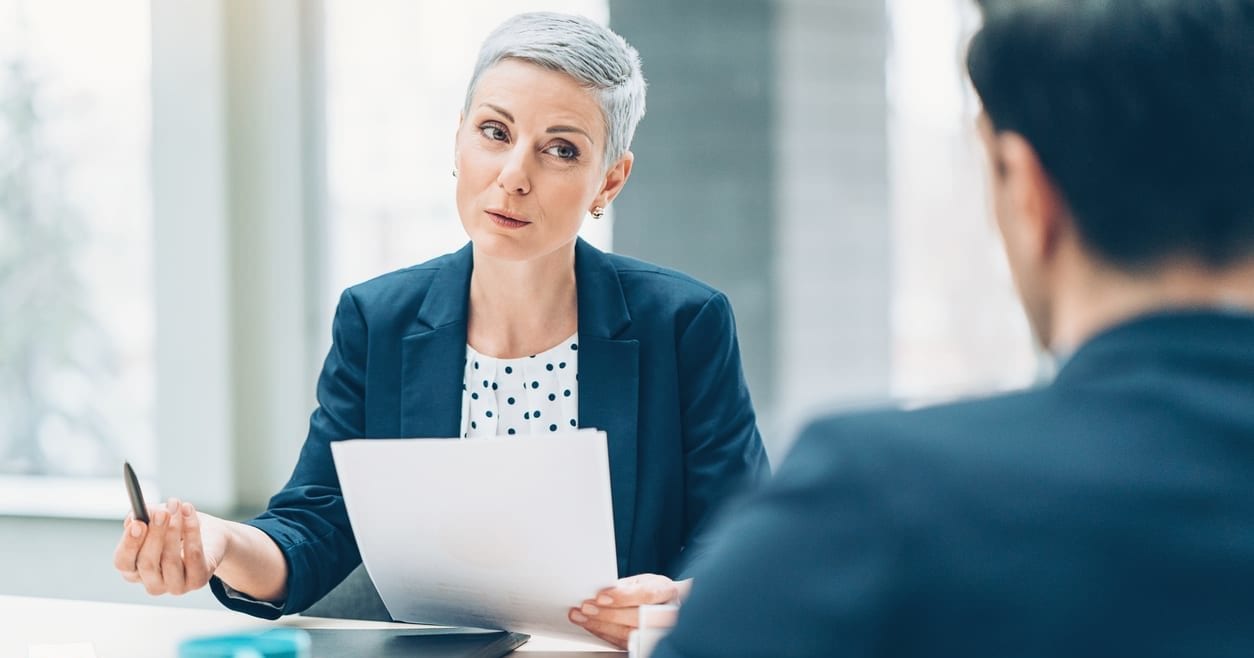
x=615, y=611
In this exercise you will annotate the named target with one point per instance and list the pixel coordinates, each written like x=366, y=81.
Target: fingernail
x=136, y=529
x=172, y=505
x=187, y=510
x=604, y=600
x=578, y=617
x=589, y=609
x=158, y=517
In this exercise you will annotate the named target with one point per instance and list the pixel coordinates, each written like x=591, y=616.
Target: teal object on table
x=274, y=643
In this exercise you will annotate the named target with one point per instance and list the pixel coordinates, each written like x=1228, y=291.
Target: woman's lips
x=505, y=221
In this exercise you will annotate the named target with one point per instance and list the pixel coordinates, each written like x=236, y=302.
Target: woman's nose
x=513, y=177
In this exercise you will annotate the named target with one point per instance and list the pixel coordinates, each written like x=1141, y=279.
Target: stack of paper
x=491, y=533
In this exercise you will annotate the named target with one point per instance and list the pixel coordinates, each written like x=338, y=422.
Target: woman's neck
x=520, y=308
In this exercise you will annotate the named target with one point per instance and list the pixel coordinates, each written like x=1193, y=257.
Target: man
x=1110, y=513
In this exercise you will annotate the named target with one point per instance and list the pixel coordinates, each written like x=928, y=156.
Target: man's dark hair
x=1142, y=113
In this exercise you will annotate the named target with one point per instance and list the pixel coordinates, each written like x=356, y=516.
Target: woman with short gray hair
x=527, y=330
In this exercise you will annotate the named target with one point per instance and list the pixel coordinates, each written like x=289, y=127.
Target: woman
x=454, y=347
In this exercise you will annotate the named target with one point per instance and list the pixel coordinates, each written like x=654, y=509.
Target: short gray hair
x=589, y=52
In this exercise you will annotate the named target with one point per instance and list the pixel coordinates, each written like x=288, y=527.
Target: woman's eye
x=493, y=132
x=564, y=151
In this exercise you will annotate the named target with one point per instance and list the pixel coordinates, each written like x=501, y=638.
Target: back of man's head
x=1141, y=112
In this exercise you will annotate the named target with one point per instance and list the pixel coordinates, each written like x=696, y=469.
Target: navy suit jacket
x=1108, y=514
x=659, y=372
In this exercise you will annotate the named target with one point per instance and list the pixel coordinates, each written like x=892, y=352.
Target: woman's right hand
x=176, y=553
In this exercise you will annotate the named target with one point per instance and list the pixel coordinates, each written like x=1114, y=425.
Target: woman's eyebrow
x=553, y=130
x=502, y=111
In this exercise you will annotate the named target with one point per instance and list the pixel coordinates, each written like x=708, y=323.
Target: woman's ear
x=615, y=178
x=461, y=120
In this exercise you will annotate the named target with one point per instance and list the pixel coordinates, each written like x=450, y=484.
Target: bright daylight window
x=957, y=326
x=76, y=302
x=396, y=77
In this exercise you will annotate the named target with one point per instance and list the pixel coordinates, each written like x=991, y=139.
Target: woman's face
x=530, y=161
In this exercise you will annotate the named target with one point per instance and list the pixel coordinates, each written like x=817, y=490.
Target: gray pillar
x=276, y=179
x=194, y=396
x=762, y=169
x=834, y=264
x=700, y=197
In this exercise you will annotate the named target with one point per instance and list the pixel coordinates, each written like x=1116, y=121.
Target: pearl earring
x=598, y=212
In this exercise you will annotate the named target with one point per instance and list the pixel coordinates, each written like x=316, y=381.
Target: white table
x=121, y=630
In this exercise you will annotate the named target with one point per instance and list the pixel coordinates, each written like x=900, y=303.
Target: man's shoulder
x=955, y=435
x=970, y=419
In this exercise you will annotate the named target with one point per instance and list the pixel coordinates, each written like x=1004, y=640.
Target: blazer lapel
x=433, y=356
x=609, y=381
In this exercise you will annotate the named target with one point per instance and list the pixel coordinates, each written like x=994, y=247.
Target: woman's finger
x=635, y=591
x=148, y=562
x=629, y=617
x=194, y=565
x=172, y=551
x=127, y=552
x=613, y=633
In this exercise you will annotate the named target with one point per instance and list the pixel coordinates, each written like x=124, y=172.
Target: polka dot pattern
x=533, y=395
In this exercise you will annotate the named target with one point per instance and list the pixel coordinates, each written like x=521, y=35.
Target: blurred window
x=957, y=325
x=76, y=298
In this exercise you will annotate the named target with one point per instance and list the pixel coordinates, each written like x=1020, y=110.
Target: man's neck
x=1096, y=299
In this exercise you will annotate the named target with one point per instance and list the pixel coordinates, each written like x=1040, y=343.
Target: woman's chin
x=503, y=247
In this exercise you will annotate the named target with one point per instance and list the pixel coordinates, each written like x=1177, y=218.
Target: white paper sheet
x=492, y=533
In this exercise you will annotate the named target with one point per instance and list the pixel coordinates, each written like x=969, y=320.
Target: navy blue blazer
x=659, y=372
x=1108, y=514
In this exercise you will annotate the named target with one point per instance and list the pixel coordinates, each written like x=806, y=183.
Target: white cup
x=654, y=623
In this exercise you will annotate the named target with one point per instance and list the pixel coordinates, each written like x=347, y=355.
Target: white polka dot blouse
x=532, y=395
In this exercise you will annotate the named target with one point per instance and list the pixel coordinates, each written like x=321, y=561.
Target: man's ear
x=1031, y=198
x=615, y=178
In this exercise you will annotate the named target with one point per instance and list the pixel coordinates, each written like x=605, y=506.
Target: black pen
x=138, y=507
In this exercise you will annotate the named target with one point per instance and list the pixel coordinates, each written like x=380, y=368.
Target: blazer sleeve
x=805, y=569
x=723, y=453
x=307, y=518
